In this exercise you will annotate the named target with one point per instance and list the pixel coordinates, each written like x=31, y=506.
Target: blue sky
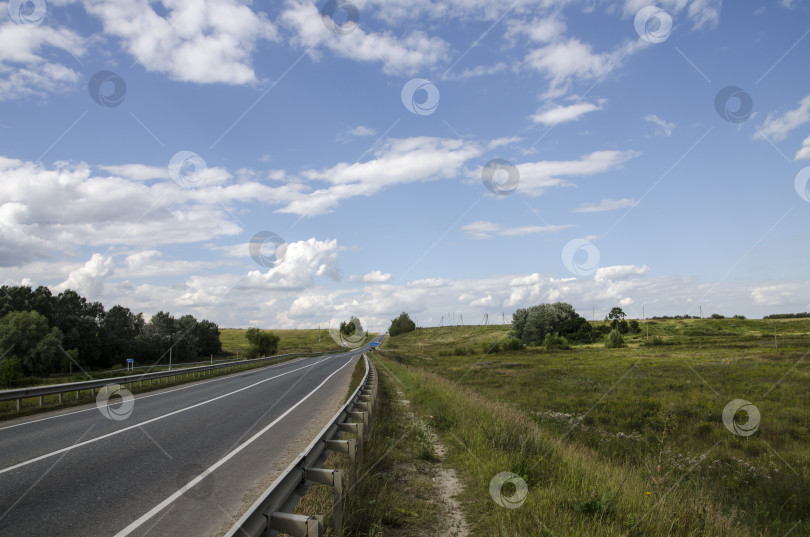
x=621, y=182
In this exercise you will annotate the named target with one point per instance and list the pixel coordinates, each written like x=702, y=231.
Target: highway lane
x=80, y=473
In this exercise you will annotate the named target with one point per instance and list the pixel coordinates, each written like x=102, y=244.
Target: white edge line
x=157, y=418
x=182, y=490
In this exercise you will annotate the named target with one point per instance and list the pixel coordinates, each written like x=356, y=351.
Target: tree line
x=42, y=334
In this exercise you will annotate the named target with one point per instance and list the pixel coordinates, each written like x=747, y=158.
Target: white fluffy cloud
x=25, y=70
x=804, y=152
x=375, y=276
x=537, y=176
x=407, y=55
x=201, y=41
x=779, y=127
x=702, y=13
x=619, y=272
x=303, y=262
x=88, y=280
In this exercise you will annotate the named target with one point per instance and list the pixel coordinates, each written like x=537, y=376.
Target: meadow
x=627, y=441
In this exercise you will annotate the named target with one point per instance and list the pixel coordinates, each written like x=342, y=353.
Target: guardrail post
x=297, y=525
x=19, y=404
x=335, y=479
x=350, y=448
x=360, y=416
x=357, y=429
x=60, y=398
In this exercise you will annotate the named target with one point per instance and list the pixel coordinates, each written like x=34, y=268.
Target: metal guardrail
x=19, y=394
x=272, y=512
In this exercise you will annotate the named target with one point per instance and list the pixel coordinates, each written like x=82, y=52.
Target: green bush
x=10, y=372
x=654, y=342
x=614, y=340
x=634, y=326
x=490, y=348
x=459, y=351
x=511, y=344
x=555, y=341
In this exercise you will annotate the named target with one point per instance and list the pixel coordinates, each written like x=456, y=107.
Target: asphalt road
x=186, y=461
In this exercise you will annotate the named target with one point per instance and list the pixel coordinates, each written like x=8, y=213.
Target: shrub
x=555, y=341
x=489, y=348
x=531, y=325
x=614, y=340
x=511, y=344
x=459, y=351
x=634, y=326
x=10, y=372
x=654, y=342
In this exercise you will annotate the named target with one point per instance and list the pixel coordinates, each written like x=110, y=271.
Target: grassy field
x=627, y=441
x=311, y=340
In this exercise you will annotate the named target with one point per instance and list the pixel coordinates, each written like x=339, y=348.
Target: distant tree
x=615, y=317
x=119, y=330
x=614, y=340
x=208, y=338
x=531, y=325
x=718, y=316
x=27, y=341
x=401, y=325
x=262, y=343
x=634, y=326
x=555, y=341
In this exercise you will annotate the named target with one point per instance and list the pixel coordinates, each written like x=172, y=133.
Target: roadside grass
x=29, y=406
x=626, y=441
x=391, y=497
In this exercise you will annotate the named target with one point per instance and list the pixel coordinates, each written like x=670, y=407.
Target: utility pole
x=701, y=311
x=503, y=317
x=461, y=319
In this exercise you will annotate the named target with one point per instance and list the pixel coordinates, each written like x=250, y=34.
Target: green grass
x=589, y=427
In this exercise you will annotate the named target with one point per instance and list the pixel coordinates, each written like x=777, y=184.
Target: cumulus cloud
x=25, y=68
x=204, y=41
x=407, y=55
x=375, y=276
x=620, y=272
x=88, y=280
x=302, y=263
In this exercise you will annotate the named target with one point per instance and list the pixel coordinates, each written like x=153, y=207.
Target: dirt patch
x=445, y=481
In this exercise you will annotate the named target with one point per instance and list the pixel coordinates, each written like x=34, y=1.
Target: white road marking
x=182, y=490
x=146, y=396
x=114, y=433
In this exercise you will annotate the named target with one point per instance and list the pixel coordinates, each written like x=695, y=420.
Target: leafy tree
x=26, y=337
x=208, y=341
x=614, y=340
x=531, y=325
x=635, y=328
x=119, y=330
x=511, y=344
x=262, y=343
x=615, y=317
x=401, y=325
x=348, y=328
